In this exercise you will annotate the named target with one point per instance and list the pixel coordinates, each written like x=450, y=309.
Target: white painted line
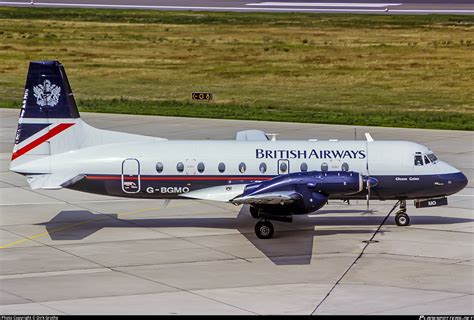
x=325, y=4
x=454, y=11
x=259, y=9
x=127, y=6
x=29, y=203
x=53, y=273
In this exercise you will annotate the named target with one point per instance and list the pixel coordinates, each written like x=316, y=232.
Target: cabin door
x=131, y=176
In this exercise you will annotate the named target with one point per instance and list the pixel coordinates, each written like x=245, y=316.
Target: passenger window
x=418, y=160
x=324, y=167
x=159, y=167
x=200, y=167
x=283, y=167
x=304, y=167
x=345, y=166
x=262, y=167
x=180, y=167
x=242, y=167
x=221, y=167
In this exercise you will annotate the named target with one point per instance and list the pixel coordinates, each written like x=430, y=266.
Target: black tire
x=264, y=229
x=402, y=219
x=253, y=212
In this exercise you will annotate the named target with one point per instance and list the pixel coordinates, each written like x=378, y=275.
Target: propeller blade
x=368, y=194
x=368, y=138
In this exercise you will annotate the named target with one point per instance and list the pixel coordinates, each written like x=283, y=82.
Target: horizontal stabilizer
x=220, y=193
x=52, y=181
x=282, y=197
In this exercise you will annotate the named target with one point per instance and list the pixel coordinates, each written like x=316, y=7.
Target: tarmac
x=66, y=252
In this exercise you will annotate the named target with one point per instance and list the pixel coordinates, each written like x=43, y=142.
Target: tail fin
x=48, y=93
x=48, y=112
x=49, y=122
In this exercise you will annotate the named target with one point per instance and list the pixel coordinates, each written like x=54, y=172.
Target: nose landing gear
x=401, y=217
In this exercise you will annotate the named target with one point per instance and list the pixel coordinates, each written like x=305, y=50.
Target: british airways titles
x=309, y=154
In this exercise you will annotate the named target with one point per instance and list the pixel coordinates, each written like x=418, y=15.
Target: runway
x=65, y=252
x=341, y=6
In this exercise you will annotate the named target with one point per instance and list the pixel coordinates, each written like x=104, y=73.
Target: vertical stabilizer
x=49, y=120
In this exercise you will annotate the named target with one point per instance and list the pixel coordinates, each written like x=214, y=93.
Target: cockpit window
x=432, y=157
x=418, y=160
x=423, y=159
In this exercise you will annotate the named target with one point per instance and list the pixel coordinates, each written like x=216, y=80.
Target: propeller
x=368, y=180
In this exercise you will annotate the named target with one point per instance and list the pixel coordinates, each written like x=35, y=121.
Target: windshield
x=432, y=157
x=424, y=159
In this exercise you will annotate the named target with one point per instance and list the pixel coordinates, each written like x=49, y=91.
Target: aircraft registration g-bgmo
x=55, y=149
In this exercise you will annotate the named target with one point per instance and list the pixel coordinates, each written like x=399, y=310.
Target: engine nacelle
x=312, y=188
x=328, y=183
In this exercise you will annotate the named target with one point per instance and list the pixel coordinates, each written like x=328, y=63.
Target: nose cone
x=461, y=180
x=454, y=182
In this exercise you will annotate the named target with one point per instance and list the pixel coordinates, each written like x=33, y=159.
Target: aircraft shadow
x=291, y=245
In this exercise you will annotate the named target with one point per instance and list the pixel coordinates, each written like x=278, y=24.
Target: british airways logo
x=309, y=154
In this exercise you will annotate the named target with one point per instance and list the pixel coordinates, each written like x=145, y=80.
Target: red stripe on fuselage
x=51, y=133
x=184, y=178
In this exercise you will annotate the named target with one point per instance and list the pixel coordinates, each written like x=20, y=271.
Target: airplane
x=278, y=179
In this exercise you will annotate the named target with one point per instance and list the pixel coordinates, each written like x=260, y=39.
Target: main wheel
x=264, y=229
x=254, y=212
x=402, y=219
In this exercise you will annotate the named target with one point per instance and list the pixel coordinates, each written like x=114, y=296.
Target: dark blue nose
x=454, y=182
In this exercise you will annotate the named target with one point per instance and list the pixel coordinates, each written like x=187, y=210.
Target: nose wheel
x=401, y=217
x=264, y=229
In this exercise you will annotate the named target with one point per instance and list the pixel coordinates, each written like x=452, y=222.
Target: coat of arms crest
x=47, y=94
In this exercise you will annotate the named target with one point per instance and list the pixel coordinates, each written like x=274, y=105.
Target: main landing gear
x=253, y=212
x=264, y=228
x=401, y=217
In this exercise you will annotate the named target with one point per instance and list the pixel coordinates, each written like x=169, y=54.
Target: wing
x=234, y=194
x=223, y=193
